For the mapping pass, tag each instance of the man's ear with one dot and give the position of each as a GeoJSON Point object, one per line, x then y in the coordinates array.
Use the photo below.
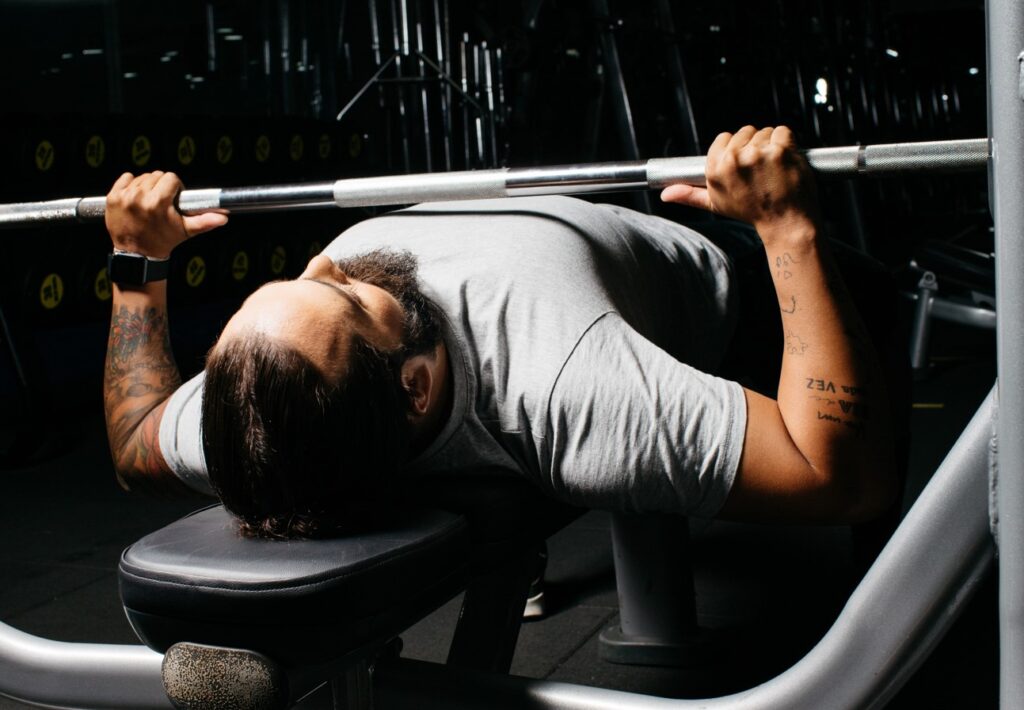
{"type": "Point", "coordinates": [418, 383]}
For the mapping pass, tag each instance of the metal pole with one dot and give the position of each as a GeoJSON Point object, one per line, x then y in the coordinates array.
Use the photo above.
{"type": "Point", "coordinates": [424, 98]}
{"type": "Point", "coordinates": [92, 675]}
{"type": "Point", "coordinates": [400, 45]}
{"type": "Point", "coordinates": [849, 161]}
{"type": "Point", "coordinates": [464, 88]}
{"type": "Point", "coordinates": [1005, 19]}
{"type": "Point", "coordinates": [623, 112]}
{"type": "Point", "coordinates": [441, 42]}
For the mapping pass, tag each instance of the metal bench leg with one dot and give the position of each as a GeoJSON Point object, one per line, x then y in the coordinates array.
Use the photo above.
{"type": "Point", "coordinates": [657, 603]}
{"type": "Point", "coordinates": [491, 614]}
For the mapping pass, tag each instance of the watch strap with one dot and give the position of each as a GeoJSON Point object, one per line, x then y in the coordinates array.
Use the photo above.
{"type": "Point", "coordinates": [131, 269]}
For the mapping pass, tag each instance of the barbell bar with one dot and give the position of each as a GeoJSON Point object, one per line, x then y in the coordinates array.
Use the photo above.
{"type": "Point", "coordinates": [846, 161]}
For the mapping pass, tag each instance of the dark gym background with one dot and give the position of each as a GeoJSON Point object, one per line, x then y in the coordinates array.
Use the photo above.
{"type": "Point", "coordinates": [239, 93]}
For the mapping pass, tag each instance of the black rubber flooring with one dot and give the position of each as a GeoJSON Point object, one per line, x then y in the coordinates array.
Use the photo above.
{"type": "Point", "coordinates": [765, 594]}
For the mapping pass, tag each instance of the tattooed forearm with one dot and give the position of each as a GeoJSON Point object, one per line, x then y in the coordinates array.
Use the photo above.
{"type": "Point", "coordinates": [140, 375]}
{"type": "Point", "coordinates": [139, 338]}
{"type": "Point", "coordinates": [792, 307]}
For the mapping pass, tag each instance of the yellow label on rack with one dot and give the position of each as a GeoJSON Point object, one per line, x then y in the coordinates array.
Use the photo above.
{"type": "Point", "coordinates": [142, 151]}
{"type": "Point", "coordinates": [240, 266]}
{"type": "Point", "coordinates": [95, 151]}
{"type": "Point", "coordinates": [355, 145]}
{"type": "Point", "coordinates": [44, 156]}
{"type": "Point", "coordinates": [296, 148]}
{"type": "Point", "coordinates": [225, 149]}
{"type": "Point", "coordinates": [262, 148]}
{"type": "Point", "coordinates": [101, 285]}
{"type": "Point", "coordinates": [278, 259]}
{"type": "Point", "coordinates": [186, 150]}
{"type": "Point", "coordinates": [51, 292]}
{"type": "Point", "coordinates": [323, 146]}
{"type": "Point", "coordinates": [195, 271]}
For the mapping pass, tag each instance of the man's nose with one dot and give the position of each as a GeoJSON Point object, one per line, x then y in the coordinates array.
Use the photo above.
{"type": "Point", "coordinates": [321, 266]}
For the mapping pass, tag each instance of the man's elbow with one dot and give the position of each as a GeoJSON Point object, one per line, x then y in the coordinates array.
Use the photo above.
{"type": "Point", "coordinates": [865, 494]}
{"type": "Point", "coordinates": [153, 481]}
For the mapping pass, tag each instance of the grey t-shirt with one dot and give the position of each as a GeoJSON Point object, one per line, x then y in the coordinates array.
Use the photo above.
{"type": "Point", "coordinates": [580, 338]}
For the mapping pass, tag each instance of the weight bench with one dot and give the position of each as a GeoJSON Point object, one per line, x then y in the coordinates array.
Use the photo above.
{"type": "Point", "coordinates": [255, 623]}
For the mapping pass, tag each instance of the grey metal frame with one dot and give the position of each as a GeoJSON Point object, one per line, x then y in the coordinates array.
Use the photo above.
{"type": "Point", "coordinates": [900, 610]}
{"type": "Point", "coordinates": [1005, 41]}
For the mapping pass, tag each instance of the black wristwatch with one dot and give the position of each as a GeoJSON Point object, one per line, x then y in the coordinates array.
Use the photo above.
{"type": "Point", "coordinates": [127, 268]}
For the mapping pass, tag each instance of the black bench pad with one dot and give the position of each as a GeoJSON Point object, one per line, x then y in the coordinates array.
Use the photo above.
{"type": "Point", "coordinates": [299, 602]}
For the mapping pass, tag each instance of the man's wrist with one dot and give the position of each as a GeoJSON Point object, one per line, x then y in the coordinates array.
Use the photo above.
{"type": "Point", "coordinates": [790, 231]}
{"type": "Point", "coordinates": [148, 252]}
{"type": "Point", "coordinates": [128, 268]}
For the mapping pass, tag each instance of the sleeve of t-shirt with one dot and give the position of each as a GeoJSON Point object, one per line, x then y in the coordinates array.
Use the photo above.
{"type": "Point", "coordinates": [181, 435]}
{"type": "Point", "coordinates": [632, 428]}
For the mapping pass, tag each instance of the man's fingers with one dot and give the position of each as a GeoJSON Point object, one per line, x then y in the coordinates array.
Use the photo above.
{"type": "Point", "coordinates": [199, 223]}
{"type": "Point", "coordinates": [145, 182]}
{"type": "Point", "coordinates": [763, 136]}
{"type": "Point", "coordinates": [742, 137]}
{"type": "Point", "coordinates": [122, 182]}
{"type": "Point", "coordinates": [168, 184]}
{"type": "Point", "coordinates": [783, 136]}
{"type": "Point", "coordinates": [721, 140]}
{"type": "Point", "coordinates": [688, 195]}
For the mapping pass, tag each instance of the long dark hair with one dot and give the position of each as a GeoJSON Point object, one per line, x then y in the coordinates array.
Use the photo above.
{"type": "Point", "coordinates": [292, 455]}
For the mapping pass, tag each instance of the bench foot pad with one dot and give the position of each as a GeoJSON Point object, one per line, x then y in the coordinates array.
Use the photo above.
{"type": "Point", "coordinates": [212, 678]}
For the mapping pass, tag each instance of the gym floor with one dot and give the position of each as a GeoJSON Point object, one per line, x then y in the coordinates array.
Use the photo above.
{"type": "Point", "coordinates": [765, 594]}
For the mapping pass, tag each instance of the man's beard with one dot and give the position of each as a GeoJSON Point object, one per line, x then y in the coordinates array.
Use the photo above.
{"type": "Point", "coordinates": [395, 272]}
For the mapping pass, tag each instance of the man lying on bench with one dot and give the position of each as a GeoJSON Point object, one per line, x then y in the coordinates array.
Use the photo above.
{"type": "Point", "coordinates": [572, 344]}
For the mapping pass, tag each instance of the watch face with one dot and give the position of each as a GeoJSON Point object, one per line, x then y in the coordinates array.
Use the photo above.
{"type": "Point", "coordinates": [135, 269]}
{"type": "Point", "coordinates": [127, 269]}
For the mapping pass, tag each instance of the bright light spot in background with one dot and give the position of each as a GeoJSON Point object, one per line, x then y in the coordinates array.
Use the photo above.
{"type": "Point", "coordinates": [130, 75]}
{"type": "Point", "coordinates": [892, 53]}
{"type": "Point", "coordinates": [821, 87]}
{"type": "Point", "coordinates": [66, 55]}
{"type": "Point", "coordinates": [945, 97]}
{"type": "Point", "coordinates": [973, 71]}
{"type": "Point", "coordinates": [92, 52]}
{"type": "Point", "coordinates": [232, 38]}
{"type": "Point", "coordinates": [723, 60]}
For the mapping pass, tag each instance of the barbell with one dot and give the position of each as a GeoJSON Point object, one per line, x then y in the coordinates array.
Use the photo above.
{"type": "Point", "coordinates": [846, 161]}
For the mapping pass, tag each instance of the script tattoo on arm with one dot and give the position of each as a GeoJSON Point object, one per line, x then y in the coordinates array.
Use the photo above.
{"type": "Point", "coordinates": [140, 375]}
{"type": "Point", "coordinates": [850, 413]}
{"type": "Point", "coordinates": [783, 266]}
